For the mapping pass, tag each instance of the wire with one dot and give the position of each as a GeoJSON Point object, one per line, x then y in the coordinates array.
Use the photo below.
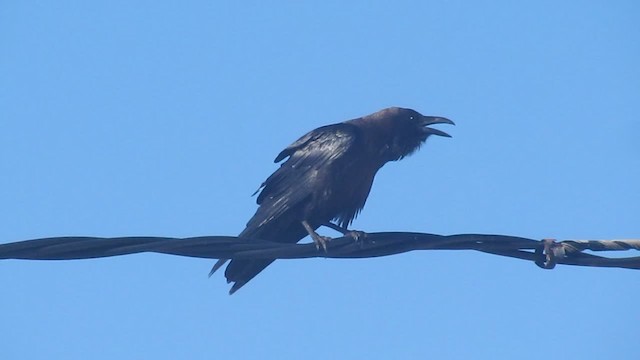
{"type": "Point", "coordinates": [545, 253]}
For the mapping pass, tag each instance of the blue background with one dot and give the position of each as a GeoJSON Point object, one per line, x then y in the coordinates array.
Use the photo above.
{"type": "Point", "coordinates": [160, 118]}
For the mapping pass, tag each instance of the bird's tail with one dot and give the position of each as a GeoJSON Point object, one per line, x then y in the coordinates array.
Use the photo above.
{"type": "Point", "coordinates": [247, 233]}
{"type": "Point", "coordinates": [242, 271]}
{"type": "Point", "coordinates": [217, 266]}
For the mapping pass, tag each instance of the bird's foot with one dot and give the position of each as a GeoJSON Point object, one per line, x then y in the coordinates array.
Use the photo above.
{"type": "Point", "coordinates": [360, 237]}
{"type": "Point", "coordinates": [357, 235]}
{"type": "Point", "coordinates": [321, 241]}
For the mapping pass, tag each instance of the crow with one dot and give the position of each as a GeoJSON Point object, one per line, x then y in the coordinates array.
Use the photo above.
{"type": "Point", "coordinates": [326, 180]}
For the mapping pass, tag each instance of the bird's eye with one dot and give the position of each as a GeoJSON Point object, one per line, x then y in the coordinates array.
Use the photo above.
{"type": "Point", "coordinates": [410, 117]}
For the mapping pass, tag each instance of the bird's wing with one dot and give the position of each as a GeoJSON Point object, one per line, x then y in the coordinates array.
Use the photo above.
{"type": "Point", "coordinates": [284, 192]}
{"type": "Point", "coordinates": [296, 179]}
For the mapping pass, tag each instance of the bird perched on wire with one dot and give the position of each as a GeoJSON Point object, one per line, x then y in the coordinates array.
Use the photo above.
{"type": "Point", "coordinates": [326, 179]}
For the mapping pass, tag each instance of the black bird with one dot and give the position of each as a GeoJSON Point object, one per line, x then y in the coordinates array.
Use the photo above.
{"type": "Point", "coordinates": [327, 177]}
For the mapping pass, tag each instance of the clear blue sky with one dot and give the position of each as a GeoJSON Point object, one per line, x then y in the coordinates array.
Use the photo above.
{"type": "Point", "coordinates": [161, 118]}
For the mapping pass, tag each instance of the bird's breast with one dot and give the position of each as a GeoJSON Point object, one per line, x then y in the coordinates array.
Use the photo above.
{"type": "Point", "coordinates": [344, 192]}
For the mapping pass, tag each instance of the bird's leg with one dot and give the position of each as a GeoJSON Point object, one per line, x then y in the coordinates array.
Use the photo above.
{"type": "Point", "coordinates": [357, 235]}
{"type": "Point", "coordinates": [318, 239]}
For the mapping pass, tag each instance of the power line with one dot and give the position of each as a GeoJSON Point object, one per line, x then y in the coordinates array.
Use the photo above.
{"type": "Point", "coordinates": [544, 253]}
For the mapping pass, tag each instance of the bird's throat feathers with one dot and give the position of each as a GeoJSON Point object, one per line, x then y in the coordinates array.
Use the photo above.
{"type": "Point", "coordinates": [389, 138]}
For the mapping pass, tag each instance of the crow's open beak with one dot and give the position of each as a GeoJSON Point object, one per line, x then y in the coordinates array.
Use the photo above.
{"type": "Point", "coordinates": [430, 120]}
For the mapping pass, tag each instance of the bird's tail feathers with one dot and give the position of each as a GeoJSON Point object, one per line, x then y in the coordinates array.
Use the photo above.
{"type": "Point", "coordinates": [236, 286]}
{"type": "Point", "coordinates": [217, 266]}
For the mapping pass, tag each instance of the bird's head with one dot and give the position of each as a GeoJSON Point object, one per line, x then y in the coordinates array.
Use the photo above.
{"type": "Point", "coordinates": [405, 130]}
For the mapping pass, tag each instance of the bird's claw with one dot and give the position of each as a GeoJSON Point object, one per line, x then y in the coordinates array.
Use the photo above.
{"type": "Point", "coordinates": [321, 241]}
{"type": "Point", "coordinates": [357, 235]}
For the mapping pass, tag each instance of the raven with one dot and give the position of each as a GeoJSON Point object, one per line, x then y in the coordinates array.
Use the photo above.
{"type": "Point", "coordinates": [327, 177]}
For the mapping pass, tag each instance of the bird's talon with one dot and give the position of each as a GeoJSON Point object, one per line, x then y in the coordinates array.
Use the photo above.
{"type": "Point", "coordinates": [357, 235]}
{"type": "Point", "coordinates": [321, 241]}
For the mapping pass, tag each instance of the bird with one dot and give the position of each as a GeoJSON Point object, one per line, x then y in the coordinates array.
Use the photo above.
{"type": "Point", "coordinates": [326, 179]}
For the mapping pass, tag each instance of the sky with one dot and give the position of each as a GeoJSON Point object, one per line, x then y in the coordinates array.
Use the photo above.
{"type": "Point", "coordinates": [156, 118]}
